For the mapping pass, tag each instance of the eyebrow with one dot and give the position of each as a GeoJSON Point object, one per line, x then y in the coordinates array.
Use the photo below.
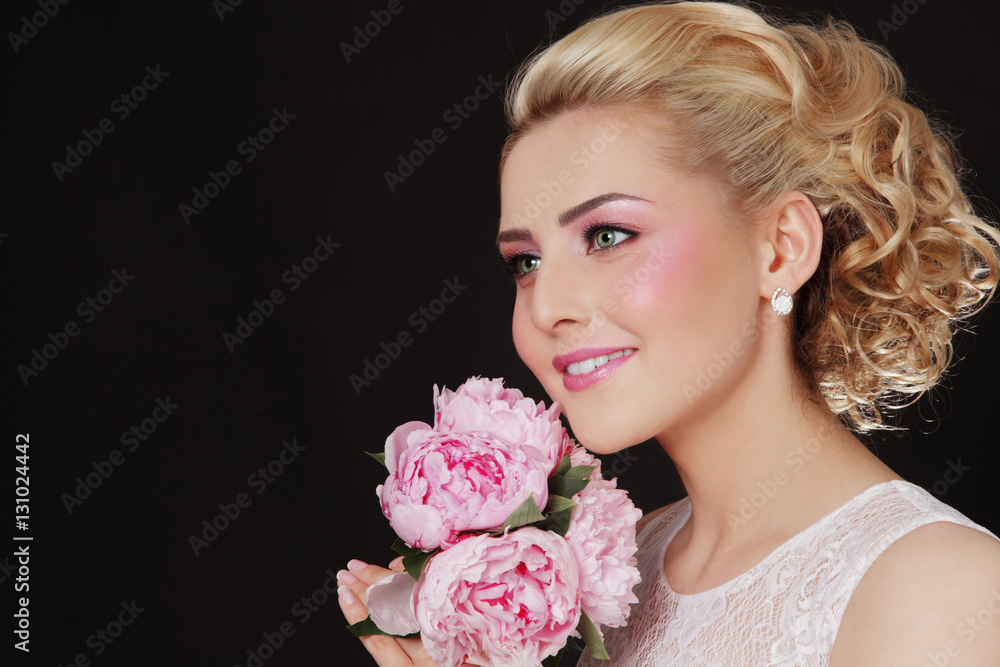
{"type": "Point", "coordinates": [569, 215]}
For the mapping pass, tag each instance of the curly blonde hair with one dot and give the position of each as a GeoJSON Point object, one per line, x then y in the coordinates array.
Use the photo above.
{"type": "Point", "coordinates": [768, 108]}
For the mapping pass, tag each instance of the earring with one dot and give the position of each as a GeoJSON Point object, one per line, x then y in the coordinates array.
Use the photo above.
{"type": "Point", "coordinates": [781, 301]}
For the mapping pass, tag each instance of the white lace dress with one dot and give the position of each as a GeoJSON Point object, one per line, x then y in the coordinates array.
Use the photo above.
{"type": "Point", "coordinates": [783, 611]}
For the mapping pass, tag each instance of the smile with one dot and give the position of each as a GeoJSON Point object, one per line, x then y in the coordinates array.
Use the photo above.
{"type": "Point", "coordinates": [583, 369]}
{"type": "Point", "coordinates": [588, 365]}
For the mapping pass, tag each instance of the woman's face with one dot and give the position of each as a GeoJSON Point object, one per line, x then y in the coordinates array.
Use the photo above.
{"type": "Point", "coordinates": [636, 300]}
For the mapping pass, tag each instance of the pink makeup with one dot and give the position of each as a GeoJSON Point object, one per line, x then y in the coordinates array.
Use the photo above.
{"type": "Point", "coordinates": [584, 368]}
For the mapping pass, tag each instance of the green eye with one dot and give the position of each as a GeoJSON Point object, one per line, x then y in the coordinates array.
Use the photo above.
{"type": "Point", "coordinates": [605, 238]}
{"type": "Point", "coordinates": [526, 264]}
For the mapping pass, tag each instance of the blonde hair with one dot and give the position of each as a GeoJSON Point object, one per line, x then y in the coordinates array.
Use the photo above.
{"type": "Point", "coordinates": [768, 109]}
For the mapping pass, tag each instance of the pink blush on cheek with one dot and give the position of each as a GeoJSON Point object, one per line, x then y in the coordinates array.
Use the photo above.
{"type": "Point", "coordinates": [667, 273]}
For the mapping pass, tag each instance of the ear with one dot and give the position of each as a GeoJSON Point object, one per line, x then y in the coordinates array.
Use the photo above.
{"type": "Point", "coordinates": [792, 240]}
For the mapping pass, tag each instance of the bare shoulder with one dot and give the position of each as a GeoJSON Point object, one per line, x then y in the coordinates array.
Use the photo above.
{"type": "Point", "coordinates": [649, 516]}
{"type": "Point", "coordinates": [932, 597]}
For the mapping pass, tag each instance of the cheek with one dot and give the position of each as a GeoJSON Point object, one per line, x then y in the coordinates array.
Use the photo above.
{"type": "Point", "coordinates": [694, 305]}
{"type": "Point", "coordinates": [521, 329]}
{"type": "Point", "coordinates": [666, 280]}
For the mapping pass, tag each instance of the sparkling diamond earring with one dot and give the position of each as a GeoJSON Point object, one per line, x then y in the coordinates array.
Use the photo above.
{"type": "Point", "coordinates": [781, 301]}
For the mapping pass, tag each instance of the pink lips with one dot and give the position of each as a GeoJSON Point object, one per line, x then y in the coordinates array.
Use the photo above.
{"type": "Point", "coordinates": [580, 382]}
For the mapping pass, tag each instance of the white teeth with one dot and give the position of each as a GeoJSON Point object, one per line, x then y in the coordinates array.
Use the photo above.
{"type": "Point", "coordinates": [588, 365]}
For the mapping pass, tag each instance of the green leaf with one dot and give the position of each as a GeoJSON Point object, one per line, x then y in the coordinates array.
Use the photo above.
{"type": "Point", "coordinates": [378, 456]}
{"type": "Point", "coordinates": [414, 565]}
{"type": "Point", "coordinates": [591, 635]}
{"type": "Point", "coordinates": [523, 515]}
{"type": "Point", "coordinates": [566, 487]}
{"type": "Point", "coordinates": [367, 627]}
{"type": "Point", "coordinates": [554, 660]}
{"type": "Point", "coordinates": [414, 560]}
{"type": "Point", "coordinates": [557, 522]}
{"type": "Point", "coordinates": [581, 472]}
{"type": "Point", "coordinates": [558, 504]}
{"type": "Point", "coordinates": [563, 466]}
{"type": "Point", "coordinates": [403, 549]}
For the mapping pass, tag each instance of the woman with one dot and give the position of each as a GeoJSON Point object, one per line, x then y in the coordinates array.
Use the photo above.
{"type": "Point", "coordinates": [738, 239]}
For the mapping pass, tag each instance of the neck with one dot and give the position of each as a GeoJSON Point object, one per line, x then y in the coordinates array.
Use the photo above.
{"type": "Point", "coordinates": [761, 463]}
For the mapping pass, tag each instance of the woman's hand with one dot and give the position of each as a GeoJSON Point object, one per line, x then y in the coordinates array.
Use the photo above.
{"type": "Point", "coordinates": [387, 651]}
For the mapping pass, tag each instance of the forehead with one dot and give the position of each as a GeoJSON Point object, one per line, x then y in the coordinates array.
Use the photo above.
{"type": "Point", "coordinates": [574, 157]}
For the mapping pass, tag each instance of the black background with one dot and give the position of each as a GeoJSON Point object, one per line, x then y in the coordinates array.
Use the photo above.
{"type": "Point", "coordinates": [322, 176]}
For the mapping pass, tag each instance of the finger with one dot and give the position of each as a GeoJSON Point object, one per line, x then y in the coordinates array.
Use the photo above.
{"type": "Point", "coordinates": [417, 653]}
{"type": "Point", "coordinates": [350, 602]}
{"type": "Point", "coordinates": [358, 577]}
{"type": "Point", "coordinates": [369, 574]}
{"type": "Point", "coordinates": [385, 650]}
{"type": "Point", "coordinates": [413, 647]}
{"type": "Point", "coordinates": [352, 581]}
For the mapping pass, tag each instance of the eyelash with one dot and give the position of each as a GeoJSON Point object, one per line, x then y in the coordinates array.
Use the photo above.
{"type": "Point", "coordinates": [508, 264]}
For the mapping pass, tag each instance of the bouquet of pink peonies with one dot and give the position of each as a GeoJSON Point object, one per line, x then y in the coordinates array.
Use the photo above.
{"type": "Point", "coordinates": [513, 542]}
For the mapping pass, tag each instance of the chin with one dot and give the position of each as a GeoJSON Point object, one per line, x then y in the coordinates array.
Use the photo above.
{"type": "Point", "coordinates": [603, 436]}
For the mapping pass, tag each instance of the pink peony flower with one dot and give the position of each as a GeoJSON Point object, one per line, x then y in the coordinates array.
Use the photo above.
{"type": "Point", "coordinates": [602, 537]}
{"type": "Point", "coordinates": [510, 600]}
{"type": "Point", "coordinates": [507, 601]}
{"type": "Point", "coordinates": [486, 405]}
{"type": "Point", "coordinates": [441, 484]}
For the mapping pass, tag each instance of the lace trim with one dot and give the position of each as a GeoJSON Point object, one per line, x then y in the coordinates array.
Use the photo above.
{"type": "Point", "coordinates": [684, 513]}
{"type": "Point", "coordinates": [787, 608]}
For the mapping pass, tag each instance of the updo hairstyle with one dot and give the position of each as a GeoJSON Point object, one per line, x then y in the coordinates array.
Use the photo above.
{"type": "Point", "coordinates": [767, 108]}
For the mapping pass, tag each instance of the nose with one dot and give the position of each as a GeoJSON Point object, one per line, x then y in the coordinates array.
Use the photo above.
{"type": "Point", "coordinates": [560, 297]}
